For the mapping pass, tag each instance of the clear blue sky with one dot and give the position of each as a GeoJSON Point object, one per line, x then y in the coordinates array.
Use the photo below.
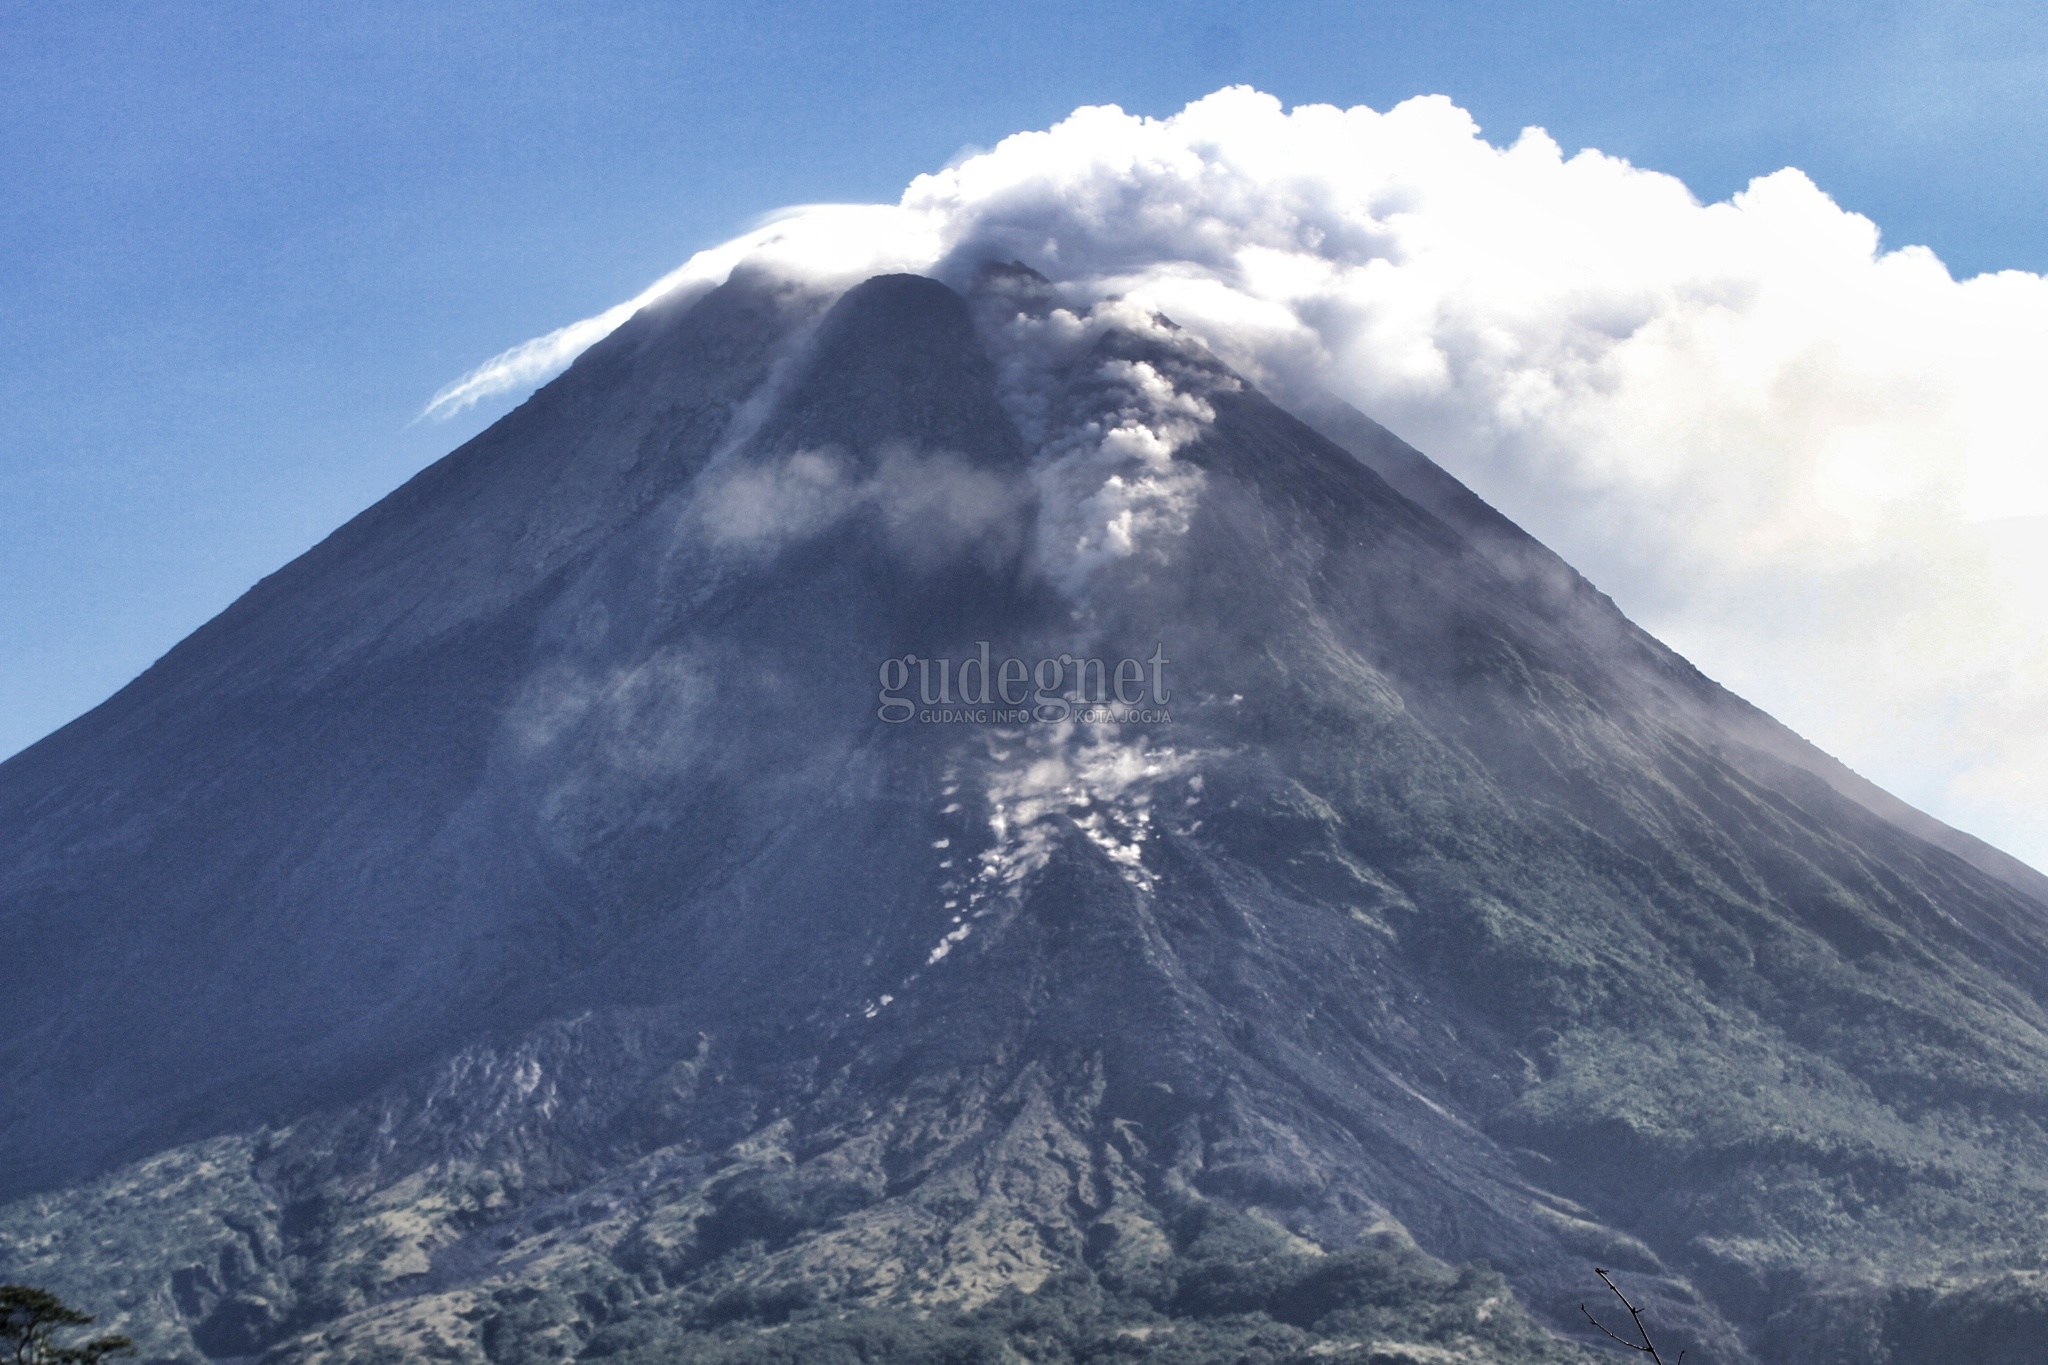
{"type": "Point", "coordinates": [241, 244]}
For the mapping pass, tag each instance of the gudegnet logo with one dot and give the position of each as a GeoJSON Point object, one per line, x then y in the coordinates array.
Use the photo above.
{"type": "Point", "coordinates": [980, 690]}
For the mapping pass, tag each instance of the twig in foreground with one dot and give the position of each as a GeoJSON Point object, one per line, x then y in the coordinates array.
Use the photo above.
{"type": "Point", "coordinates": [1635, 1314]}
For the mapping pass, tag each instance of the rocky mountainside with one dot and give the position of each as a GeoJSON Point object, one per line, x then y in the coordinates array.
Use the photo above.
{"type": "Point", "coordinates": [572, 912]}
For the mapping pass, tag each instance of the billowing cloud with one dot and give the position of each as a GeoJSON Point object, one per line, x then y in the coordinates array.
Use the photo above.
{"type": "Point", "coordinates": [1816, 466]}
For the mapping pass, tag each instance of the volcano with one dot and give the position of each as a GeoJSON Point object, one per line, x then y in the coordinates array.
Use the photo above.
{"type": "Point", "coordinates": [924, 819]}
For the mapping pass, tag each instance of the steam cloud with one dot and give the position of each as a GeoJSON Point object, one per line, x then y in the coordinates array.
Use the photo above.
{"type": "Point", "coordinates": [1818, 468]}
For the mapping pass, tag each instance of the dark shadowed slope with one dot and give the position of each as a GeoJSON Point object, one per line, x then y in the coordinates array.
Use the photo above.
{"type": "Point", "coordinates": [529, 858]}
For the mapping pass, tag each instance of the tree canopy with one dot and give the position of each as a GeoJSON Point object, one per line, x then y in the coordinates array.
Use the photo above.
{"type": "Point", "coordinates": [31, 1320]}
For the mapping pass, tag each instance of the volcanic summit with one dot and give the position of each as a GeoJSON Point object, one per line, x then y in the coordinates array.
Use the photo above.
{"type": "Point", "coordinates": [932, 818]}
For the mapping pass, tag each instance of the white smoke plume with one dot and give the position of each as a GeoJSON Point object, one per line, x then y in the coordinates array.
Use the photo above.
{"type": "Point", "coordinates": [1816, 466]}
{"type": "Point", "coordinates": [1108, 484]}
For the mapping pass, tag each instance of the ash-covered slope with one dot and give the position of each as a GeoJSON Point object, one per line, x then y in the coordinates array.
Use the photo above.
{"type": "Point", "coordinates": [512, 925]}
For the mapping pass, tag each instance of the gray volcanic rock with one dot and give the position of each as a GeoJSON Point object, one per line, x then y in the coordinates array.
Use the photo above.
{"type": "Point", "coordinates": [511, 927]}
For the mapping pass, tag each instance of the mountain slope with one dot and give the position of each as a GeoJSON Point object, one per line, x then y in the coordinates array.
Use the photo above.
{"type": "Point", "coordinates": [512, 924]}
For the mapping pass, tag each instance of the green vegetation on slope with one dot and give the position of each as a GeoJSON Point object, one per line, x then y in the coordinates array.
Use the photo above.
{"type": "Point", "coordinates": [341, 1283]}
{"type": "Point", "coordinates": [1236, 1289]}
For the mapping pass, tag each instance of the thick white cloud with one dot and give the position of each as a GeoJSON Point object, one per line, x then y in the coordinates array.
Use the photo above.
{"type": "Point", "coordinates": [1817, 467]}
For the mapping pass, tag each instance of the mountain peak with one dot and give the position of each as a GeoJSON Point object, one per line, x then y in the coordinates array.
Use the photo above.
{"type": "Point", "coordinates": [903, 798]}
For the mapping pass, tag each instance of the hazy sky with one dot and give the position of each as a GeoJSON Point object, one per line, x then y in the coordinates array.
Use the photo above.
{"type": "Point", "coordinates": [244, 244]}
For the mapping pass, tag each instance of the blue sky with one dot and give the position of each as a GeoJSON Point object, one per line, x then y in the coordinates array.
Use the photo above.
{"type": "Point", "coordinates": [244, 243]}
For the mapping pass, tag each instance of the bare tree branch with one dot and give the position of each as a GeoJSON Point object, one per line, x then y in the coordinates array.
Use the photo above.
{"type": "Point", "coordinates": [1647, 1346]}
